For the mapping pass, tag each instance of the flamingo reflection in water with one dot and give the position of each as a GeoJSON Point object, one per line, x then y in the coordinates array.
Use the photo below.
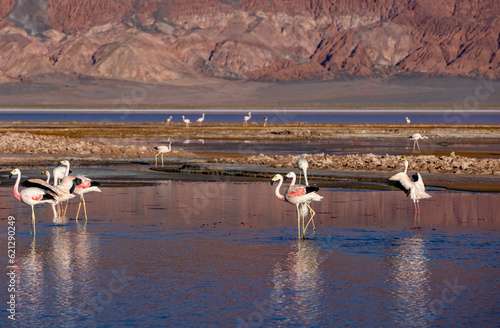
{"type": "Point", "coordinates": [297, 286]}
{"type": "Point", "coordinates": [414, 188]}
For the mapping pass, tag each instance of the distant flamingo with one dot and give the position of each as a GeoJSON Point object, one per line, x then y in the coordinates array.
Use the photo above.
{"type": "Point", "coordinates": [416, 137]}
{"type": "Point", "coordinates": [414, 189]}
{"type": "Point", "coordinates": [201, 119]}
{"type": "Point", "coordinates": [265, 120]}
{"type": "Point", "coordinates": [247, 118]}
{"type": "Point", "coordinates": [187, 121]}
{"type": "Point", "coordinates": [32, 196]}
{"type": "Point", "coordinates": [86, 186]}
{"type": "Point", "coordinates": [162, 150]}
{"type": "Point", "coordinates": [169, 120]}
{"type": "Point", "coordinates": [408, 121]}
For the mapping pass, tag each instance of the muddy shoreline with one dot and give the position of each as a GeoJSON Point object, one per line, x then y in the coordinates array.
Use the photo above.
{"type": "Point", "coordinates": [42, 145]}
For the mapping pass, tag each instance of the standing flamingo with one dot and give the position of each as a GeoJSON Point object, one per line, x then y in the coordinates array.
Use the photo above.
{"type": "Point", "coordinates": [303, 209]}
{"type": "Point", "coordinates": [86, 186]}
{"type": "Point", "coordinates": [416, 137]}
{"type": "Point", "coordinates": [201, 119]}
{"type": "Point", "coordinates": [247, 118]}
{"type": "Point", "coordinates": [61, 171]}
{"type": "Point", "coordinates": [303, 165]}
{"type": "Point", "coordinates": [162, 150]}
{"type": "Point", "coordinates": [187, 121]}
{"type": "Point", "coordinates": [32, 196]}
{"type": "Point", "coordinates": [265, 120]}
{"type": "Point", "coordinates": [414, 189]}
{"type": "Point", "coordinates": [169, 120]}
{"type": "Point", "coordinates": [408, 121]}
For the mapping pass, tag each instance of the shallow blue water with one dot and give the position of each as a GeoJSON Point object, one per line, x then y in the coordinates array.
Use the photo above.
{"type": "Point", "coordinates": [274, 117]}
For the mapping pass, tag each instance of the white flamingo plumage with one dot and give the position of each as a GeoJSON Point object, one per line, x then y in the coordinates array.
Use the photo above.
{"type": "Point", "coordinates": [408, 121]}
{"type": "Point", "coordinates": [201, 119]}
{"type": "Point", "coordinates": [162, 150]}
{"type": "Point", "coordinates": [303, 165]}
{"type": "Point", "coordinates": [169, 120]}
{"type": "Point", "coordinates": [61, 171]}
{"type": "Point", "coordinates": [32, 196]}
{"type": "Point", "coordinates": [186, 120]}
{"type": "Point", "coordinates": [247, 118]}
{"type": "Point", "coordinates": [415, 189]}
{"type": "Point", "coordinates": [86, 186]}
{"type": "Point", "coordinates": [416, 137]}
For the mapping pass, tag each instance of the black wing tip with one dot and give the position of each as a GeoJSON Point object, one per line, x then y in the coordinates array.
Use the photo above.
{"type": "Point", "coordinates": [312, 189]}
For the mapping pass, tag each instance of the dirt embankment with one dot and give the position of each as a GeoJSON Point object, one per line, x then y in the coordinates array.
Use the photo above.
{"type": "Point", "coordinates": [370, 162]}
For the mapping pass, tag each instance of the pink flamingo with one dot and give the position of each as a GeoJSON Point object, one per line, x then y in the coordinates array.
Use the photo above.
{"type": "Point", "coordinates": [298, 195]}
{"type": "Point", "coordinates": [408, 121]}
{"type": "Point", "coordinates": [247, 118]}
{"type": "Point", "coordinates": [416, 137]}
{"type": "Point", "coordinates": [187, 121]}
{"type": "Point", "coordinates": [414, 189]}
{"type": "Point", "coordinates": [162, 150]}
{"type": "Point", "coordinates": [61, 171]}
{"type": "Point", "coordinates": [33, 196]}
{"type": "Point", "coordinates": [86, 186]}
{"type": "Point", "coordinates": [201, 119]}
{"type": "Point", "coordinates": [169, 120]}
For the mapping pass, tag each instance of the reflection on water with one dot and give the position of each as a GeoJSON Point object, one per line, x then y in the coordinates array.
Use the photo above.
{"type": "Point", "coordinates": [297, 286]}
{"type": "Point", "coordinates": [191, 254]}
{"type": "Point", "coordinates": [410, 281]}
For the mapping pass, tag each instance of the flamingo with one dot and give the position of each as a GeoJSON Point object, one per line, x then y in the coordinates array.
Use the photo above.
{"type": "Point", "coordinates": [297, 194]}
{"type": "Point", "coordinates": [416, 137]}
{"type": "Point", "coordinates": [169, 120]}
{"type": "Point", "coordinates": [162, 150]}
{"type": "Point", "coordinates": [32, 196]}
{"type": "Point", "coordinates": [414, 189]}
{"type": "Point", "coordinates": [62, 192]}
{"type": "Point", "coordinates": [61, 171]}
{"type": "Point", "coordinates": [265, 120]}
{"type": "Point", "coordinates": [408, 121]}
{"type": "Point", "coordinates": [201, 119]}
{"type": "Point", "coordinates": [303, 165]}
{"type": "Point", "coordinates": [86, 186]}
{"type": "Point", "coordinates": [187, 121]}
{"type": "Point", "coordinates": [303, 209]}
{"type": "Point", "coordinates": [247, 118]}
{"type": "Point", "coordinates": [47, 174]}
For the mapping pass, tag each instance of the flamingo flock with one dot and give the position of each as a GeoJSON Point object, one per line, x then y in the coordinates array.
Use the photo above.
{"type": "Point", "coordinates": [65, 187]}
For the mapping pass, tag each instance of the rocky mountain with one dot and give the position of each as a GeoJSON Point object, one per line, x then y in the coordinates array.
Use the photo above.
{"type": "Point", "coordinates": [271, 40]}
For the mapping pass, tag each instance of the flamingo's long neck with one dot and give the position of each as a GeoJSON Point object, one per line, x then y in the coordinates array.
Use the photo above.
{"type": "Point", "coordinates": [406, 166]}
{"type": "Point", "coordinates": [16, 188]}
{"type": "Point", "coordinates": [277, 191]}
{"type": "Point", "coordinates": [305, 176]}
{"type": "Point", "coordinates": [294, 179]}
{"type": "Point", "coordinates": [47, 173]}
{"type": "Point", "coordinates": [67, 170]}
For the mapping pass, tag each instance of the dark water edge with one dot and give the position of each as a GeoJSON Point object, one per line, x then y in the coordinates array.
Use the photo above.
{"type": "Point", "coordinates": [226, 254]}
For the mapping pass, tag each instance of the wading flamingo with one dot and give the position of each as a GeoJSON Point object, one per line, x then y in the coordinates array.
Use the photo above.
{"type": "Point", "coordinates": [86, 186]}
{"type": "Point", "coordinates": [33, 196]}
{"type": "Point", "coordinates": [201, 119]}
{"type": "Point", "coordinates": [61, 171]}
{"type": "Point", "coordinates": [415, 189]}
{"type": "Point", "coordinates": [303, 209]}
{"type": "Point", "coordinates": [162, 150]}
{"type": "Point", "coordinates": [247, 118]}
{"type": "Point", "coordinates": [168, 120]}
{"type": "Point", "coordinates": [265, 120]}
{"type": "Point", "coordinates": [187, 121]}
{"type": "Point", "coordinates": [303, 165]}
{"type": "Point", "coordinates": [62, 192]}
{"type": "Point", "coordinates": [416, 137]}
{"type": "Point", "coordinates": [408, 121]}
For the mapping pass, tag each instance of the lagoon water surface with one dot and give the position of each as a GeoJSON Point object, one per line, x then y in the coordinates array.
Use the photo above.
{"type": "Point", "coordinates": [225, 254]}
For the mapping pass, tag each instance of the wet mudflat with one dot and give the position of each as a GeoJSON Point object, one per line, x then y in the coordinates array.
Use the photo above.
{"type": "Point", "coordinates": [226, 254]}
